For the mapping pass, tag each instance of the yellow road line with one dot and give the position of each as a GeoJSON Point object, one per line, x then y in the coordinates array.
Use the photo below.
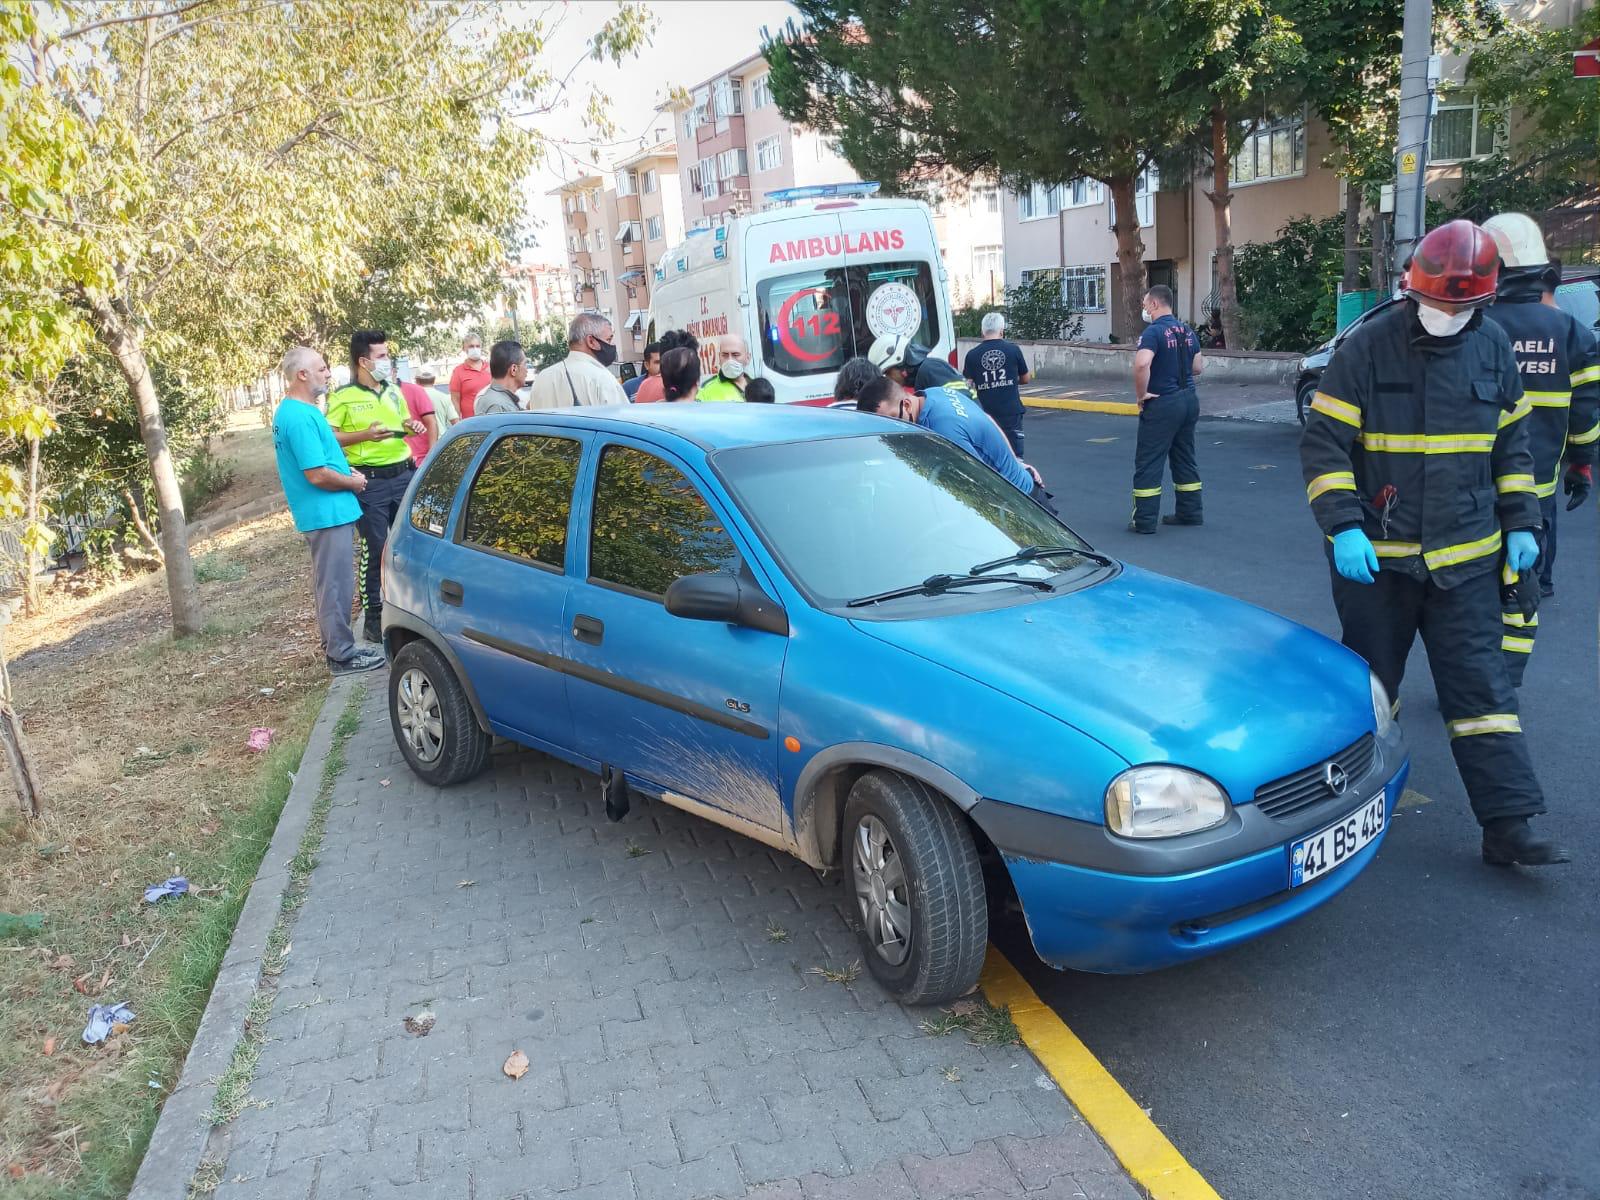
{"type": "Point", "coordinates": [1143, 1149]}
{"type": "Point", "coordinates": [1100, 406]}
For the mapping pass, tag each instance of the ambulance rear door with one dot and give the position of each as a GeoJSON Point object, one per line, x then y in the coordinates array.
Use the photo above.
{"type": "Point", "coordinates": [794, 269]}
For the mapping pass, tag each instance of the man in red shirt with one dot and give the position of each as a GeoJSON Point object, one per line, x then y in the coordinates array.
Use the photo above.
{"type": "Point", "coordinates": [419, 405]}
{"type": "Point", "coordinates": [470, 377]}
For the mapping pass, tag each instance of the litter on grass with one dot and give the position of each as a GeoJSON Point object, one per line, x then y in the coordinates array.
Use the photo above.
{"type": "Point", "coordinates": [176, 886]}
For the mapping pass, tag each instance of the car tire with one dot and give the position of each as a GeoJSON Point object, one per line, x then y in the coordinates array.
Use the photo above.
{"type": "Point", "coordinates": [432, 720]}
{"type": "Point", "coordinates": [1303, 395]}
{"type": "Point", "coordinates": [911, 865]}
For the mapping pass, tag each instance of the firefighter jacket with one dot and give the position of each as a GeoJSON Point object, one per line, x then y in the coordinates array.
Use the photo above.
{"type": "Point", "coordinates": [1423, 443]}
{"type": "Point", "coordinates": [1560, 378]}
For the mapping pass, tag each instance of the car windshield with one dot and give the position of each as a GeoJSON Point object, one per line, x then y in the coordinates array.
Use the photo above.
{"type": "Point", "coordinates": [854, 516]}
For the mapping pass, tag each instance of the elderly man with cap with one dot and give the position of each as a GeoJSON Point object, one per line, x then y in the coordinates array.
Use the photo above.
{"type": "Point", "coordinates": [1418, 471]}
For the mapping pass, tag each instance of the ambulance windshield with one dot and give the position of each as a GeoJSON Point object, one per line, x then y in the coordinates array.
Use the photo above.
{"type": "Point", "coordinates": [812, 321]}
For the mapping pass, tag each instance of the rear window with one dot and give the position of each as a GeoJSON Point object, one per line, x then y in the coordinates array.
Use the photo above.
{"type": "Point", "coordinates": [440, 478]}
{"type": "Point", "coordinates": [812, 321]}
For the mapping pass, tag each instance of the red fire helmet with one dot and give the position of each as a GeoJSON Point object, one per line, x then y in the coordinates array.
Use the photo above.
{"type": "Point", "coordinates": [1457, 263]}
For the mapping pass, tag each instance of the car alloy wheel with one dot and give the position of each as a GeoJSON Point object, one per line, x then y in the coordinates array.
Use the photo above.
{"type": "Point", "coordinates": [882, 891]}
{"type": "Point", "coordinates": [420, 718]}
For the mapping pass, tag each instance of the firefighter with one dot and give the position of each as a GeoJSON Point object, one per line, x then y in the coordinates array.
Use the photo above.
{"type": "Point", "coordinates": [1418, 470]}
{"type": "Point", "coordinates": [1561, 380]}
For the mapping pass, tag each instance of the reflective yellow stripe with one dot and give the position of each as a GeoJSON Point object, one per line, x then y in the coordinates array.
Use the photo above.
{"type": "Point", "coordinates": [1517, 621]}
{"type": "Point", "coordinates": [1548, 399]}
{"type": "Point", "coordinates": [1517, 645]}
{"type": "Point", "coordinates": [1186, 487]}
{"type": "Point", "coordinates": [1583, 439]}
{"type": "Point", "coordinates": [1397, 549]}
{"type": "Point", "coordinates": [1494, 723]}
{"type": "Point", "coordinates": [1333, 481]}
{"type": "Point", "coordinates": [1329, 406]}
{"type": "Point", "coordinates": [1394, 709]}
{"type": "Point", "coordinates": [1515, 483]}
{"type": "Point", "coordinates": [1449, 556]}
{"type": "Point", "coordinates": [1587, 375]}
{"type": "Point", "coordinates": [1522, 409]}
{"type": "Point", "coordinates": [1428, 443]}
{"type": "Point", "coordinates": [1545, 490]}
{"type": "Point", "coordinates": [1146, 493]}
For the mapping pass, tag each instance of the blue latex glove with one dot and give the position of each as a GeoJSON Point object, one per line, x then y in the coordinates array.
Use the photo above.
{"type": "Point", "coordinates": [1522, 550]}
{"type": "Point", "coordinates": [1354, 557]}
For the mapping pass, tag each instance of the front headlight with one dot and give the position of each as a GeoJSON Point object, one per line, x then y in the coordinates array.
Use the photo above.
{"type": "Point", "coordinates": [1382, 706]}
{"type": "Point", "coordinates": [1163, 801]}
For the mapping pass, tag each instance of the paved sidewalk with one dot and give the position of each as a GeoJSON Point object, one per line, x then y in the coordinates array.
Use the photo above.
{"type": "Point", "coordinates": [676, 1048]}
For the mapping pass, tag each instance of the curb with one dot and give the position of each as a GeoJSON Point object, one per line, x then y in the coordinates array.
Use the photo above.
{"type": "Point", "coordinates": [1099, 406]}
{"type": "Point", "coordinates": [178, 1142]}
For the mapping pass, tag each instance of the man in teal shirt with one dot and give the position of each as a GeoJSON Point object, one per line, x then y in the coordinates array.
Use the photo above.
{"type": "Point", "coordinates": [321, 487]}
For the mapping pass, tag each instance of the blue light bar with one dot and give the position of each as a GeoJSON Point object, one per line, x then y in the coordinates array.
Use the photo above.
{"type": "Point", "coordinates": [824, 191]}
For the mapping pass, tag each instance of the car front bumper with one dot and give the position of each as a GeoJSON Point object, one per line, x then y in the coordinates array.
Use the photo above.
{"type": "Point", "coordinates": [1090, 918]}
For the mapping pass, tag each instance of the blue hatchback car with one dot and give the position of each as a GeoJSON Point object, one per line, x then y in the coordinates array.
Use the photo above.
{"type": "Point", "coordinates": [844, 637]}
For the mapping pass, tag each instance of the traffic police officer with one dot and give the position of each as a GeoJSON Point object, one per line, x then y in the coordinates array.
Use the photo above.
{"type": "Point", "coordinates": [1164, 368]}
{"type": "Point", "coordinates": [1417, 467]}
{"type": "Point", "coordinates": [368, 416]}
{"type": "Point", "coordinates": [1561, 380]}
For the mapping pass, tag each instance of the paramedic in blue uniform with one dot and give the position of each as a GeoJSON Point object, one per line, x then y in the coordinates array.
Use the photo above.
{"type": "Point", "coordinates": [997, 369]}
{"type": "Point", "coordinates": [1164, 370]}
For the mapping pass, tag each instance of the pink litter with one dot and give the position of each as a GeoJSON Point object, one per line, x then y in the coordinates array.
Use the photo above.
{"type": "Point", "coordinates": [260, 738]}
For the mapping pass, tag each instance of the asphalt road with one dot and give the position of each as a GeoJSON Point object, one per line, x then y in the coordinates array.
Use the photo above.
{"type": "Point", "coordinates": [1434, 1031]}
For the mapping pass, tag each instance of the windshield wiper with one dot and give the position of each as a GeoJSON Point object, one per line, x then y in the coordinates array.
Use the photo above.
{"type": "Point", "coordinates": [1032, 553]}
{"type": "Point", "coordinates": [937, 585]}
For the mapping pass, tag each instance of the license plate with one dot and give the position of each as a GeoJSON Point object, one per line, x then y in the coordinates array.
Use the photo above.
{"type": "Point", "coordinates": [1313, 857]}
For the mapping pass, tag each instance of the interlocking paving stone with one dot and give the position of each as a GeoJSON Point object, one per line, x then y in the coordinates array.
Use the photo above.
{"type": "Point", "coordinates": [676, 1050]}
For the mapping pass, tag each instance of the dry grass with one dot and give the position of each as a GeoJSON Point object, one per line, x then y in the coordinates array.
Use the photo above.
{"type": "Point", "coordinates": [244, 447]}
{"type": "Point", "coordinates": [139, 742]}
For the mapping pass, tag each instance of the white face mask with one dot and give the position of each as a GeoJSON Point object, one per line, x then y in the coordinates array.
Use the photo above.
{"type": "Point", "coordinates": [732, 368]}
{"type": "Point", "coordinates": [380, 370]}
{"type": "Point", "coordinates": [475, 354]}
{"type": "Point", "coordinates": [1439, 323]}
{"type": "Point", "coordinates": [1144, 315]}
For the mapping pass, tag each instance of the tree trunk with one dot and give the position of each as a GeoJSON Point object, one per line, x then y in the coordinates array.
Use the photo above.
{"type": "Point", "coordinates": [30, 557]}
{"type": "Point", "coordinates": [136, 514]}
{"type": "Point", "coordinates": [1125, 323]}
{"type": "Point", "coordinates": [1222, 213]}
{"type": "Point", "coordinates": [118, 336]}
{"type": "Point", "coordinates": [18, 763]}
{"type": "Point", "coordinates": [1352, 236]}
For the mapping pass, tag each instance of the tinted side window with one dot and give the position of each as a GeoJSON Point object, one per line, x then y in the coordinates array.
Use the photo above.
{"type": "Point", "coordinates": [650, 525]}
{"type": "Point", "coordinates": [522, 497]}
{"type": "Point", "coordinates": [440, 479]}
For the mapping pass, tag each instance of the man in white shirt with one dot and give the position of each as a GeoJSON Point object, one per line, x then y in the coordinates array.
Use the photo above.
{"type": "Point", "coordinates": [583, 378]}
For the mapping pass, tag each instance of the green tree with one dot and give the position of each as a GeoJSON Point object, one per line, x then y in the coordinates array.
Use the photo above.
{"type": "Point", "coordinates": [1526, 70]}
{"type": "Point", "coordinates": [1031, 90]}
{"type": "Point", "coordinates": [247, 157]}
{"type": "Point", "coordinates": [1036, 308]}
{"type": "Point", "coordinates": [1286, 286]}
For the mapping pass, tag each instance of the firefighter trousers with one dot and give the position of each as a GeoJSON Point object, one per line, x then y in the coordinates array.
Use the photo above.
{"type": "Point", "coordinates": [1166, 435]}
{"type": "Point", "coordinates": [1460, 628]}
{"type": "Point", "coordinates": [1518, 629]}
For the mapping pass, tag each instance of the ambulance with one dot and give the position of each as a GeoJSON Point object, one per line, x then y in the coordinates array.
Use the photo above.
{"type": "Point", "coordinates": [809, 285]}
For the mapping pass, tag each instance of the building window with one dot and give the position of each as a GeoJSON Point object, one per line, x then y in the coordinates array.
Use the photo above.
{"type": "Point", "coordinates": [732, 163]}
{"type": "Point", "coordinates": [1462, 129]}
{"type": "Point", "coordinates": [1085, 288]}
{"type": "Point", "coordinates": [627, 183]}
{"type": "Point", "coordinates": [694, 179]}
{"type": "Point", "coordinates": [730, 99]}
{"type": "Point", "coordinates": [1025, 207]}
{"type": "Point", "coordinates": [986, 200]}
{"type": "Point", "coordinates": [760, 92]}
{"type": "Point", "coordinates": [652, 229]}
{"type": "Point", "coordinates": [708, 176]}
{"type": "Point", "coordinates": [1273, 148]}
{"type": "Point", "coordinates": [769, 153]}
{"type": "Point", "coordinates": [1144, 187]}
{"type": "Point", "coordinates": [647, 182]}
{"type": "Point", "coordinates": [599, 239]}
{"type": "Point", "coordinates": [605, 281]}
{"type": "Point", "coordinates": [829, 148]}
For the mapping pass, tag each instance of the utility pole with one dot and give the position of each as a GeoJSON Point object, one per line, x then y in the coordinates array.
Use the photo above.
{"type": "Point", "coordinates": [1411, 156]}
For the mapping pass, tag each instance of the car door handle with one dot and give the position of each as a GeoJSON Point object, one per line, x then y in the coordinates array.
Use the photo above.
{"type": "Point", "coordinates": [588, 629]}
{"type": "Point", "coordinates": [451, 592]}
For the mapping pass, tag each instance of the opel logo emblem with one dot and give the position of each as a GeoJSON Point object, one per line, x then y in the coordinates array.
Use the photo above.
{"type": "Point", "coordinates": [1333, 775]}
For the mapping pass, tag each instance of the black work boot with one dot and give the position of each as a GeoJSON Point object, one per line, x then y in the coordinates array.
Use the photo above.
{"type": "Point", "coordinates": [1509, 840]}
{"type": "Point", "coordinates": [1175, 519]}
{"type": "Point", "coordinates": [1134, 528]}
{"type": "Point", "coordinates": [372, 626]}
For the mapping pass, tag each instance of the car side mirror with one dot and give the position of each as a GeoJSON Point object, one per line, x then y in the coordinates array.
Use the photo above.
{"type": "Point", "coordinates": [733, 599]}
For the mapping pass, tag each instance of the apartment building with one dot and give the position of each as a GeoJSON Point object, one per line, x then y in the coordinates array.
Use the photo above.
{"type": "Point", "coordinates": [1278, 174]}
{"type": "Point", "coordinates": [734, 147]}
{"type": "Point", "coordinates": [615, 229]}
{"type": "Point", "coordinates": [532, 293]}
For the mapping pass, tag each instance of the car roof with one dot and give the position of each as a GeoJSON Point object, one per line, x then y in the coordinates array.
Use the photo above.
{"type": "Point", "coordinates": [714, 426]}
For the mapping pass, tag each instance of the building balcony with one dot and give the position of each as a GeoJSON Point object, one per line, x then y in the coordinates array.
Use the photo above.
{"type": "Point", "coordinates": [720, 135]}
{"type": "Point", "coordinates": [578, 222]}
{"type": "Point", "coordinates": [628, 208]}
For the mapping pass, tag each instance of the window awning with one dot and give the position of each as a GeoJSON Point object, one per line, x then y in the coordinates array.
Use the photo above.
{"type": "Point", "coordinates": [622, 231]}
{"type": "Point", "coordinates": [635, 320]}
{"type": "Point", "coordinates": [631, 275]}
